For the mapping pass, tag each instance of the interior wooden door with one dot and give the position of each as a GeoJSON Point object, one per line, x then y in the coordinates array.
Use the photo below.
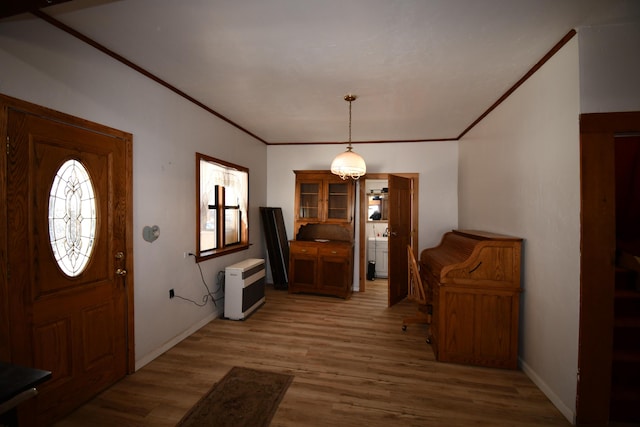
{"type": "Point", "coordinates": [399, 236]}
{"type": "Point", "coordinates": [67, 260]}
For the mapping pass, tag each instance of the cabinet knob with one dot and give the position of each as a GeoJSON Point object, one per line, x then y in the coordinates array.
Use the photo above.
{"type": "Point", "coordinates": [304, 250]}
{"type": "Point", "coordinates": [334, 252]}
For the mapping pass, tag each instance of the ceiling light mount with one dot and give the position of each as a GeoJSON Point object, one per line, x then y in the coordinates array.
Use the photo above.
{"type": "Point", "coordinates": [349, 164]}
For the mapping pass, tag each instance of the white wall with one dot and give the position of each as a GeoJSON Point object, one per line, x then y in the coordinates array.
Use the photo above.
{"type": "Point", "coordinates": [45, 66]}
{"type": "Point", "coordinates": [436, 162]}
{"type": "Point", "coordinates": [520, 175]}
{"type": "Point", "coordinates": [610, 67]}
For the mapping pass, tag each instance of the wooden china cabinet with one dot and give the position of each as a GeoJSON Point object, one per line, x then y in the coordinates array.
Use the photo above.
{"type": "Point", "coordinates": [321, 254]}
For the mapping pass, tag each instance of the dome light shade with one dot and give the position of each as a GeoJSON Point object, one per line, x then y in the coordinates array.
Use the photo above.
{"type": "Point", "coordinates": [349, 164]}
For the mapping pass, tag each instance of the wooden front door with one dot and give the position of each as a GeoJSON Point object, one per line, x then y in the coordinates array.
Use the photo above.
{"type": "Point", "coordinates": [399, 236]}
{"type": "Point", "coordinates": [68, 256]}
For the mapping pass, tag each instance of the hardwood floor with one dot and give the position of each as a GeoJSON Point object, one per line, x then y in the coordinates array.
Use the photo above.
{"type": "Point", "coordinates": [352, 363]}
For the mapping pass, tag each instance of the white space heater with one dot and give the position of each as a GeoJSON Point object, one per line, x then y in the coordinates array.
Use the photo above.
{"type": "Point", "coordinates": [244, 288]}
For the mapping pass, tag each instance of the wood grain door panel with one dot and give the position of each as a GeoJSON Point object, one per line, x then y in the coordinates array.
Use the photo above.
{"type": "Point", "coordinates": [303, 270]}
{"type": "Point", "coordinates": [334, 272]}
{"type": "Point", "coordinates": [493, 325]}
{"type": "Point", "coordinates": [457, 327]}
{"type": "Point", "coordinates": [399, 237]}
{"type": "Point", "coordinates": [76, 327]}
{"type": "Point", "coordinates": [47, 156]}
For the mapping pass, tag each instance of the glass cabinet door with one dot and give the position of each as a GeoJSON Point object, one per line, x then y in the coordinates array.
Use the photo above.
{"type": "Point", "coordinates": [309, 200]}
{"type": "Point", "coordinates": [338, 201]}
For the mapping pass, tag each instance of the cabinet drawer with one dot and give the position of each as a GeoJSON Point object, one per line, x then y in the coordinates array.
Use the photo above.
{"type": "Point", "coordinates": [303, 250]}
{"type": "Point", "coordinates": [340, 251]}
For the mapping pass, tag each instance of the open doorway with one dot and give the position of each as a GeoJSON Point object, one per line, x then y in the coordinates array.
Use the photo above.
{"type": "Point", "coordinates": [394, 206]}
{"type": "Point", "coordinates": [595, 396]}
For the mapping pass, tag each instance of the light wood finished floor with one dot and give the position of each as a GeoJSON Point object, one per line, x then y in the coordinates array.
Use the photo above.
{"type": "Point", "coordinates": [352, 363]}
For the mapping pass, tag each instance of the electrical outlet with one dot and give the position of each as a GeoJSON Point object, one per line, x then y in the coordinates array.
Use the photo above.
{"type": "Point", "coordinates": [171, 293]}
{"type": "Point", "coordinates": [185, 254]}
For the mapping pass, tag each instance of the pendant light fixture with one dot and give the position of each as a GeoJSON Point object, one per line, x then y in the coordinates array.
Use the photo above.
{"type": "Point", "coordinates": [349, 164]}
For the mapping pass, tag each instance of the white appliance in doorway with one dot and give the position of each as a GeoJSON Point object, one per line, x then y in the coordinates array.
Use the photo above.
{"type": "Point", "coordinates": [378, 251]}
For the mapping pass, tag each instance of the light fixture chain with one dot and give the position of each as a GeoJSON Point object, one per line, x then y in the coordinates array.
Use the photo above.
{"type": "Point", "coordinates": [349, 123]}
{"type": "Point", "coordinates": [349, 164]}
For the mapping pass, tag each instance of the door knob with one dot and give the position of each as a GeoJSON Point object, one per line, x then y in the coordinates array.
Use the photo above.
{"type": "Point", "coordinates": [121, 272]}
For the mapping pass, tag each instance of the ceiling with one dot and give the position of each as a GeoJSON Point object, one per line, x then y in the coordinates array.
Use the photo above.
{"type": "Point", "coordinates": [279, 69]}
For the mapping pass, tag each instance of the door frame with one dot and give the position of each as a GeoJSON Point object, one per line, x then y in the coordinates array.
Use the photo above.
{"type": "Point", "coordinates": [362, 219]}
{"type": "Point", "coordinates": [597, 260]}
{"type": "Point", "coordinates": [9, 103]}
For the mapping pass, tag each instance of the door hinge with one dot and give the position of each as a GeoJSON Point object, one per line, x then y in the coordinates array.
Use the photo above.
{"type": "Point", "coordinates": [8, 145]}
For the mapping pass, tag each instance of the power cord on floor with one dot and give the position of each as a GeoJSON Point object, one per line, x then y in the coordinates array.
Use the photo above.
{"type": "Point", "coordinates": [208, 296]}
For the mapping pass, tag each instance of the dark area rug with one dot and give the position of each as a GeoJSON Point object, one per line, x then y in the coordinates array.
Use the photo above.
{"type": "Point", "coordinates": [242, 398]}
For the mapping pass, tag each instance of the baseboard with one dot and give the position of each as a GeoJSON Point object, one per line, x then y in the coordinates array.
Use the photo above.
{"type": "Point", "coordinates": [568, 413]}
{"type": "Point", "coordinates": [171, 343]}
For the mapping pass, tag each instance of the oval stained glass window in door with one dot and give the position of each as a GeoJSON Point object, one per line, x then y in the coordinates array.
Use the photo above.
{"type": "Point", "coordinates": [72, 217]}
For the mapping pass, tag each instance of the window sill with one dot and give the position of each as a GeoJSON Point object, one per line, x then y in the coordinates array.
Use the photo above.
{"type": "Point", "coordinates": [214, 253]}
